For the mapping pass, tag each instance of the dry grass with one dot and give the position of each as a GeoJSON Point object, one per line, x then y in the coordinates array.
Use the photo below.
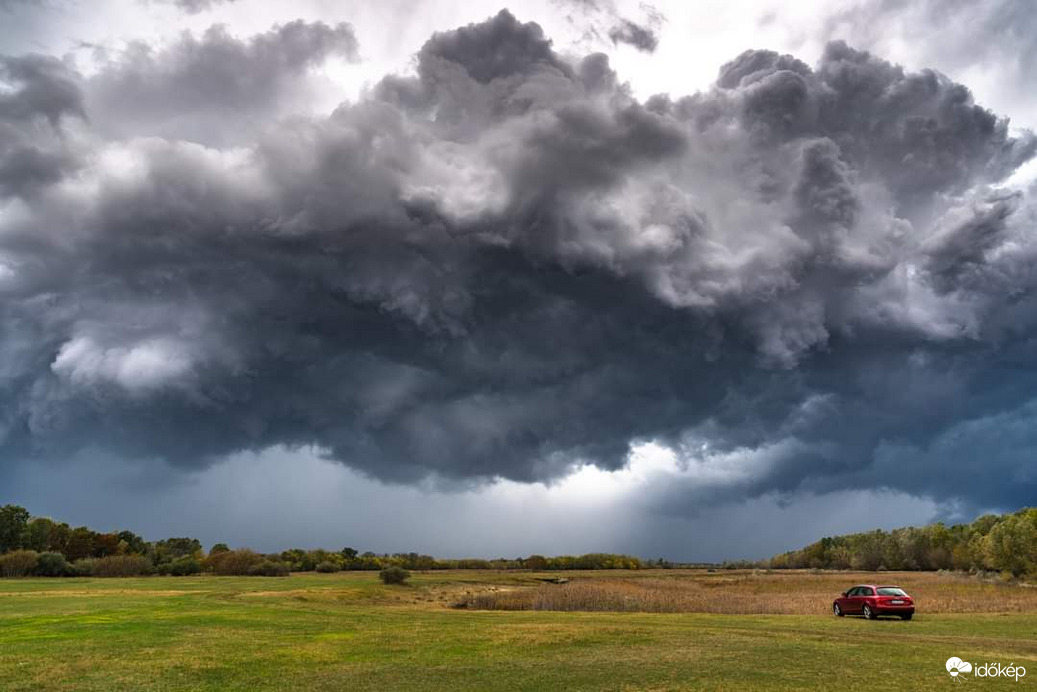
{"type": "Point", "coordinates": [793, 593]}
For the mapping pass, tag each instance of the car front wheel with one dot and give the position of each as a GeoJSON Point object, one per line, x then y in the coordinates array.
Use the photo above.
{"type": "Point", "coordinates": [837, 610]}
{"type": "Point", "coordinates": [868, 613]}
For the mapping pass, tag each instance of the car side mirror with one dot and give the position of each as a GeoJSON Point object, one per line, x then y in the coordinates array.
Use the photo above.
{"type": "Point", "coordinates": [844, 593]}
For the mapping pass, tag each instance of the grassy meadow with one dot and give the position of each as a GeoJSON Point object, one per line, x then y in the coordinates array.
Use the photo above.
{"type": "Point", "coordinates": [347, 631]}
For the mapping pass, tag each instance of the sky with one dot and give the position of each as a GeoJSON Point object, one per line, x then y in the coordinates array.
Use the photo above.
{"type": "Point", "coordinates": [700, 281]}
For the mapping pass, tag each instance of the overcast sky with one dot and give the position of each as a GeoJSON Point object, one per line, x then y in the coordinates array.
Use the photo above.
{"type": "Point", "coordinates": [695, 280]}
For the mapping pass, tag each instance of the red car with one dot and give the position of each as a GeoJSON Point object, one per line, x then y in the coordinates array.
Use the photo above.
{"type": "Point", "coordinates": [871, 601]}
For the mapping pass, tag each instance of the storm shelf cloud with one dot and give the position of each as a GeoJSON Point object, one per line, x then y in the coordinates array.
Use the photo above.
{"type": "Point", "coordinates": [807, 278]}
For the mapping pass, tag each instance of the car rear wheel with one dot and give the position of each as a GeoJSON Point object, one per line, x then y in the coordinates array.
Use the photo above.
{"type": "Point", "coordinates": [906, 616]}
{"type": "Point", "coordinates": [867, 612]}
{"type": "Point", "coordinates": [837, 610]}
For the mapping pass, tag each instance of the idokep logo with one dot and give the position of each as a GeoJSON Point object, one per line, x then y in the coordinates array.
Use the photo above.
{"type": "Point", "coordinates": [958, 668]}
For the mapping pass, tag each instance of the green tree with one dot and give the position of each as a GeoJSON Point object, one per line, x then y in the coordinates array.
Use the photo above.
{"type": "Point", "coordinates": [172, 548]}
{"type": "Point", "coordinates": [13, 522]}
{"type": "Point", "coordinates": [132, 543]}
{"type": "Point", "coordinates": [1011, 545]}
{"type": "Point", "coordinates": [38, 534]}
{"type": "Point", "coordinates": [80, 544]}
{"type": "Point", "coordinates": [106, 544]}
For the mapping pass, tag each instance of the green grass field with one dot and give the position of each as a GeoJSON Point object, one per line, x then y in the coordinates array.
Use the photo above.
{"type": "Point", "coordinates": [348, 632]}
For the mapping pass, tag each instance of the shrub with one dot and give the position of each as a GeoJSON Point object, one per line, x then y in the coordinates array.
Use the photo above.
{"type": "Point", "coordinates": [394, 575]}
{"type": "Point", "coordinates": [117, 566]}
{"type": "Point", "coordinates": [53, 565]}
{"type": "Point", "coordinates": [83, 567]}
{"type": "Point", "coordinates": [327, 567]}
{"type": "Point", "coordinates": [269, 568]}
{"type": "Point", "coordinates": [184, 566]}
{"type": "Point", "coordinates": [234, 562]}
{"type": "Point", "coordinates": [18, 563]}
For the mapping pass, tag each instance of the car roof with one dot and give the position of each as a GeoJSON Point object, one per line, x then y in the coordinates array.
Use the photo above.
{"type": "Point", "coordinates": [876, 586]}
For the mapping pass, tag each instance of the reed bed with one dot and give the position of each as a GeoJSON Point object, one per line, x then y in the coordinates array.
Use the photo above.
{"type": "Point", "coordinates": [793, 593]}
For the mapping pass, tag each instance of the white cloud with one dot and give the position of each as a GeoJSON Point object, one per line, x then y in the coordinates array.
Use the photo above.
{"type": "Point", "coordinates": [137, 367]}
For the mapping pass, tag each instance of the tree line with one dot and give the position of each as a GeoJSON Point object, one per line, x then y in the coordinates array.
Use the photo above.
{"type": "Point", "coordinates": [1001, 543]}
{"type": "Point", "coordinates": [40, 546]}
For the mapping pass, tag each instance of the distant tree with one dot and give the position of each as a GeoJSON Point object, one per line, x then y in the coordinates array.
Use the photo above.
{"type": "Point", "coordinates": [80, 544]}
{"type": "Point", "coordinates": [316, 557]}
{"type": "Point", "coordinates": [536, 562]}
{"type": "Point", "coordinates": [13, 522]}
{"type": "Point", "coordinates": [106, 544]}
{"type": "Point", "coordinates": [37, 534]}
{"type": "Point", "coordinates": [172, 548]}
{"type": "Point", "coordinates": [218, 548]}
{"type": "Point", "coordinates": [1006, 543]}
{"type": "Point", "coordinates": [327, 567]}
{"type": "Point", "coordinates": [132, 544]}
{"type": "Point", "coordinates": [60, 535]}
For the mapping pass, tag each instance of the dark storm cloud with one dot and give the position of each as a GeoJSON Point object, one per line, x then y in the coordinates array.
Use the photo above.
{"type": "Point", "coordinates": [634, 34]}
{"type": "Point", "coordinates": [499, 47]}
{"type": "Point", "coordinates": [505, 264]}
{"type": "Point", "coordinates": [211, 87]}
{"type": "Point", "coordinates": [600, 20]}
{"type": "Point", "coordinates": [40, 86]}
{"type": "Point", "coordinates": [41, 92]}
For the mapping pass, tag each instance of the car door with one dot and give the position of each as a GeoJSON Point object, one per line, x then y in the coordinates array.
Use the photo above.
{"type": "Point", "coordinates": [853, 600]}
{"type": "Point", "coordinates": [864, 596]}
{"type": "Point", "coordinates": [846, 602]}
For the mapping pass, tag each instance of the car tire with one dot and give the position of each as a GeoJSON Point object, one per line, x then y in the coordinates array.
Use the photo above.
{"type": "Point", "coordinates": [907, 616]}
{"type": "Point", "coordinates": [837, 610]}
{"type": "Point", "coordinates": [867, 612]}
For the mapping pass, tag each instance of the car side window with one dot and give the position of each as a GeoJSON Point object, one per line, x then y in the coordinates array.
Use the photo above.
{"type": "Point", "coordinates": [852, 592]}
{"type": "Point", "coordinates": [867, 591]}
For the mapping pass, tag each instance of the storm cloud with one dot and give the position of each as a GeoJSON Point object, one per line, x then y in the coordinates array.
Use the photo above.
{"type": "Point", "coordinates": [197, 6]}
{"type": "Point", "coordinates": [504, 265]}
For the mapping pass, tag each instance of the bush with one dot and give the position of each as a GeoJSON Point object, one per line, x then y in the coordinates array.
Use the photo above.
{"type": "Point", "coordinates": [394, 575]}
{"type": "Point", "coordinates": [116, 566]}
{"type": "Point", "coordinates": [184, 566]}
{"type": "Point", "coordinates": [83, 567]}
{"type": "Point", "coordinates": [269, 568]}
{"type": "Point", "coordinates": [234, 562]}
{"type": "Point", "coordinates": [18, 563]}
{"type": "Point", "coordinates": [53, 565]}
{"type": "Point", "coordinates": [327, 567]}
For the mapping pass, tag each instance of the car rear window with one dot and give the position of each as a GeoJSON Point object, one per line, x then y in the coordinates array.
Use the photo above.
{"type": "Point", "coordinates": [891, 591]}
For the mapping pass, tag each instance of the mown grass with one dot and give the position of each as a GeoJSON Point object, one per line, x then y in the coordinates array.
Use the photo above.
{"type": "Point", "coordinates": [349, 632]}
